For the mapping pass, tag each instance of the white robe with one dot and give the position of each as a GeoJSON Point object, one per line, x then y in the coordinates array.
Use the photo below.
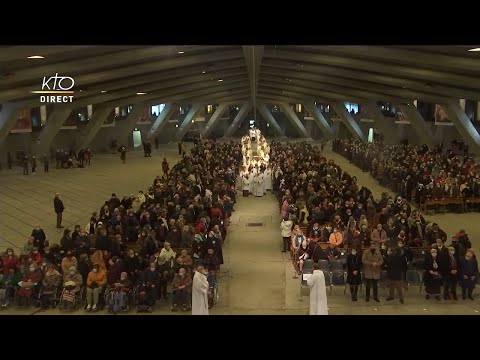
{"type": "Point", "coordinates": [199, 294]}
{"type": "Point", "coordinates": [318, 293]}
{"type": "Point", "coordinates": [245, 184]}
{"type": "Point", "coordinates": [259, 185]}
{"type": "Point", "coordinates": [268, 179]}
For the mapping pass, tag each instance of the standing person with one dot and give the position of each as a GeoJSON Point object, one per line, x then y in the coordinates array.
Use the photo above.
{"type": "Point", "coordinates": [156, 142]}
{"type": "Point", "coordinates": [450, 274]}
{"type": "Point", "coordinates": [46, 162]}
{"type": "Point", "coordinates": [354, 277]}
{"type": "Point", "coordinates": [433, 278]}
{"type": "Point", "coordinates": [372, 262]}
{"type": "Point", "coordinates": [468, 275]}
{"type": "Point", "coordinates": [395, 267]}
{"type": "Point", "coordinates": [179, 148]}
{"type": "Point", "coordinates": [34, 164]}
{"type": "Point", "coordinates": [200, 292]}
{"type": "Point", "coordinates": [286, 227]}
{"type": "Point", "coordinates": [58, 205]}
{"type": "Point", "coordinates": [123, 153]}
{"type": "Point", "coordinates": [318, 292]}
{"type": "Point", "coordinates": [165, 166]}
{"type": "Point", "coordinates": [184, 148]}
{"type": "Point", "coordinates": [25, 165]}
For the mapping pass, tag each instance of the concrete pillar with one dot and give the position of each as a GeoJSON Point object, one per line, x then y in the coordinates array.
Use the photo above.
{"type": "Point", "coordinates": [319, 119]}
{"type": "Point", "coordinates": [187, 122]}
{"type": "Point", "coordinates": [270, 119]}
{"type": "Point", "coordinates": [463, 125]}
{"type": "Point", "coordinates": [99, 116]}
{"type": "Point", "coordinates": [214, 118]}
{"type": "Point", "coordinates": [348, 120]}
{"type": "Point", "coordinates": [161, 121]}
{"type": "Point", "coordinates": [386, 125]}
{"type": "Point", "coordinates": [8, 117]}
{"type": "Point", "coordinates": [238, 119]}
{"type": "Point", "coordinates": [421, 129]}
{"type": "Point", "coordinates": [54, 123]}
{"type": "Point", "coordinates": [131, 119]}
{"type": "Point", "coordinates": [294, 120]}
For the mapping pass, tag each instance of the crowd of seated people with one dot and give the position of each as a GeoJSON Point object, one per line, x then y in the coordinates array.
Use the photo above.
{"type": "Point", "coordinates": [327, 216]}
{"type": "Point", "coordinates": [137, 248]}
{"type": "Point", "coordinates": [416, 172]}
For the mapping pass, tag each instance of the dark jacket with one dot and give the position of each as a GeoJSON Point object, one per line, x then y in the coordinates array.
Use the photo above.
{"type": "Point", "coordinates": [58, 205]}
{"type": "Point", "coordinates": [150, 277]}
{"type": "Point", "coordinates": [39, 239]}
{"type": "Point", "coordinates": [468, 268]}
{"type": "Point", "coordinates": [395, 266]}
{"type": "Point", "coordinates": [354, 263]}
{"type": "Point", "coordinates": [314, 251]}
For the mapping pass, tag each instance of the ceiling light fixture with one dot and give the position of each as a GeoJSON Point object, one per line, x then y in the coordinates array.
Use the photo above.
{"type": "Point", "coordinates": [181, 52]}
{"type": "Point", "coordinates": [220, 80]}
{"type": "Point", "coordinates": [103, 91]}
{"type": "Point", "coordinates": [141, 93]}
{"type": "Point", "coordinates": [475, 49]}
{"type": "Point", "coordinates": [36, 57]}
{"type": "Point", "coordinates": [203, 72]}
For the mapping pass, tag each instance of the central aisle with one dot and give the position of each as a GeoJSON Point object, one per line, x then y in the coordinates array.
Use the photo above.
{"type": "Point", "coordinates": [256, 264]}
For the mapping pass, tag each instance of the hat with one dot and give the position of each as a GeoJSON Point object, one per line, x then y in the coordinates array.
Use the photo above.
{"type": "Point", "coordinates": [70, 283]}
{"type": "Point", "coordinates": [72, 268]}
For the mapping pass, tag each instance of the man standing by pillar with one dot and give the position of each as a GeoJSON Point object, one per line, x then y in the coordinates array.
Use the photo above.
{"type": "Point", "coordinates": [46, 162]}
{"type": "Point", "coordinates": [58, 205]}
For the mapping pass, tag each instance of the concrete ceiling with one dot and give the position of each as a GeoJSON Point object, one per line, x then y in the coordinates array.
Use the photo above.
{"type": "Point", "coordinates": [249, 73]}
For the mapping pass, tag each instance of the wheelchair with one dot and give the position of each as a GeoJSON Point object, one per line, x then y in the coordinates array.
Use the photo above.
{"type": "Point", "coordinates": [28, 296]}
{"type": "Point", "coordinates": [110, 303]}
{"type": "Point", "coordinates": [55, 296]}
{"type": "Point", "coordinates": [70, 299]}
{"type": "Point", "coordinates": [212, 289]}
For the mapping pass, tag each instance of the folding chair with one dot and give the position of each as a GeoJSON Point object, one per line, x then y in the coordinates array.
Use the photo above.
{"type": "Point", "coordinates": [338, 279]}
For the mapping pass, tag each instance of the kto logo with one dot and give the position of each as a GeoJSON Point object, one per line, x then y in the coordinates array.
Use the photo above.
{"type": "Point", "coordinates": [59, 85]}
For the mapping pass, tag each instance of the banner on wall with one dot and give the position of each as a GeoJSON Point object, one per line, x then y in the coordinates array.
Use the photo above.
{"type": "Point", "coordinates": [23, 123]}
{"type": "Point", "coordinates": [145, 118]}
{"type": "Point", "coordinates": [441, 117]}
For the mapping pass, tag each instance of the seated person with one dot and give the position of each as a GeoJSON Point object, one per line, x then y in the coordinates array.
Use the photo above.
{"type": "Point", "coordinates": [28, 247]}
{"type": "Point", "coordinates": [336, 238]}
{"type": "Point", "coordinates": [51, 281]}
{"type": "Point", "coordinates": [29, 284]}
{"type": "Point", "coordinates": [36, 256]}
{"type": "Point", "coordinates": [300, 256]}
{"type": "Point", "coordinates": [96, 281]}
{"type": "Point", "coordinates": [184, 260]}
{"type": "Point", "coordinates": [332, 252]}
{"type": "Point", "coordinates": [118, 297]}
{"type": "Point", "coordinates": [148, 290]}
{"type": "Point", "coordinates": [168, 252]}
{"type": "Point", "coordinates": [166, 275]}
{"type": "Point", "coordinates": [182, 283]}
{"type": "Point", "coordinates": [68, 261]}
{"type": "Point", "coordinates": [315, 232]}
{"type": "Point", "coordinates": [210, 261]}
{"type": "Point", "coordinates": [8, 282]}
{"type": "Point", "coordinates": [72, 284]}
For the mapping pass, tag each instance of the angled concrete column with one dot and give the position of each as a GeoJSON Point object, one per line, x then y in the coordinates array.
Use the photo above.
{"type": "Point", "coordinates": [99, 116]}
{"type": "Point", "coordinates": [463, 125]}
{"type": "Point", "coordinates": [295, 121]}
{"type": "Point", "coordinates": [187, 122]}
{"type": "Point", "coordinates": [238, 119]}
{"type": "Point", "coordinates": [214, 118]}
{"type": "Point", "coordinates": [349, 120]}
{"type": "Point", "coordinates": [54, 123]}
{"type": "Point", "coordinates": [270, 119]}
{"type": "Point", "coordinates": [319, 119]}
{"type": "Point", "coordinates": [8, 117]}
{"type": "Point", "coordinates": [385, 125]}
{"type": "Point", "coordinates": [424, 135]}
{"type": "Point", "coordinates": [131, 119]}
{"type": "Point", "coordinates": [161, 121]}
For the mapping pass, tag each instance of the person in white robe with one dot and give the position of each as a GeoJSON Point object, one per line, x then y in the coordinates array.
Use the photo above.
{"type": "Point", "coordinates": [245, 185]}
{"type": "Point", "coordinates": [268, 179]}
{"type": "Point", "coordinates": [251, 179]}
{"type": "Point", "coordinates": [258, 185]}
{"type": "Point", "coordinates": [318, 292]}
{"type": "Point", "coordinates": [200, 292]}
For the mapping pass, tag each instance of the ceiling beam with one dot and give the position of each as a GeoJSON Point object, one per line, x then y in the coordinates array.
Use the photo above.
{"type": "Point", "coordinates": [253, 59]}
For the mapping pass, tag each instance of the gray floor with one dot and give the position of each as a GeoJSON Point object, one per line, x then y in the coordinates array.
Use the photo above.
{"type": "Point", "coordinates": [256, 278]}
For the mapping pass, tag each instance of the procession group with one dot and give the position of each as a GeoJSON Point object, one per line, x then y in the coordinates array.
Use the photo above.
{"type": "Point", "coordinates": [255, 174]}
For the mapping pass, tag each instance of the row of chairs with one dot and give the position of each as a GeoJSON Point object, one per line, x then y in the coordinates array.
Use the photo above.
{"type": "Point", "coordinates": [337, 277]}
